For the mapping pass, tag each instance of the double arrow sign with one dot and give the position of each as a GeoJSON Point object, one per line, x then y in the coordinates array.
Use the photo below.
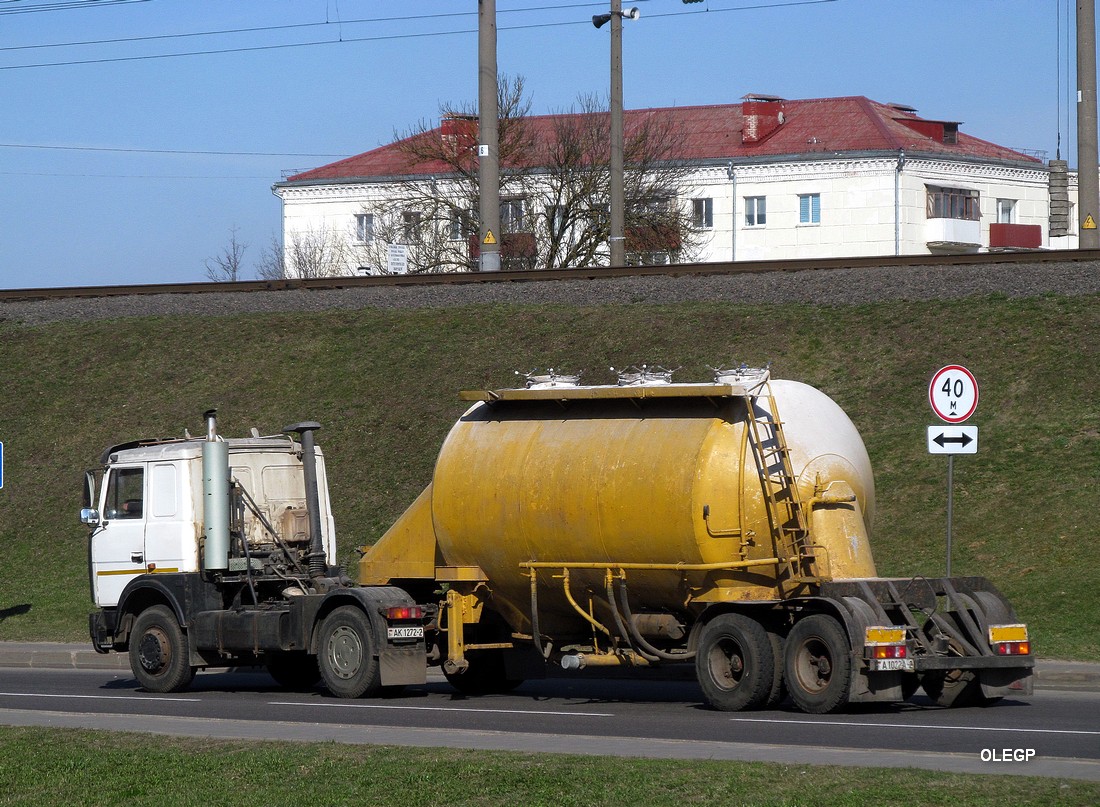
{"type": "Point", "coordinates": [952, 439]}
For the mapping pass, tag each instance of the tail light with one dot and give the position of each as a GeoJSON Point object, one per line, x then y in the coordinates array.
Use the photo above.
{"type": "Point", "coordinates": [886, 648]}
{"type": "Point", "coordinates": [400, 612]}
{"type": "Point", "coordinates": [1009, 640]}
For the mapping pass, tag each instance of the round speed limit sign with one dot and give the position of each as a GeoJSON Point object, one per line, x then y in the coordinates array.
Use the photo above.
{"type": "Point", "coordinates": [953, 393]}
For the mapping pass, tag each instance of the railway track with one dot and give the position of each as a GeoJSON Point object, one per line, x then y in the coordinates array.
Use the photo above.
{"type": "Point", "coordinates": [550, 275]}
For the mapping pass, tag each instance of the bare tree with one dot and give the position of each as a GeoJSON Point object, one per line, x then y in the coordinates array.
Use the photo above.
{"type": "Point", "coordinates": [227, 266]}
{"type": "Point", "coordinates": [554, 188]}
{"type": "Point", "coordinates": [316, 252]}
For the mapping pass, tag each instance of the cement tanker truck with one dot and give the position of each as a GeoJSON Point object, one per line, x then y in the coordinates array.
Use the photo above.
{"type": "Point", "coordinates": [639, 524]}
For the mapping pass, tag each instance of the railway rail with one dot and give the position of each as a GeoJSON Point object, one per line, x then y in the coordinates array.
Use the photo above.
{"type": "Point", "coordinates": [550, 275]}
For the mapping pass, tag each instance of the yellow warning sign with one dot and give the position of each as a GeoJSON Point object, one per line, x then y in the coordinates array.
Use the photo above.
{"type": "Point", "coordinates": [492, 239]}
{"type": "Point", "coordinates": [1089, 224]}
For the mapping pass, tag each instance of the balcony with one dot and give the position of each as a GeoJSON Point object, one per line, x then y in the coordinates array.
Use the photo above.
{"type": "Point", "coordinates": [953, 235]}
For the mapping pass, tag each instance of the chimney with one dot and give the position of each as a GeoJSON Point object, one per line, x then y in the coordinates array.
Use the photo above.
{"type": "Point", "coordinates": [761, 115]}
{"type": "Point", "coordinates": [458, 132]}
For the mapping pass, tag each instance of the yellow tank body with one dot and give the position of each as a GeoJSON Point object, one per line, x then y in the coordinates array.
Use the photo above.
{"type": "Point", "coordinates": [659, 485]}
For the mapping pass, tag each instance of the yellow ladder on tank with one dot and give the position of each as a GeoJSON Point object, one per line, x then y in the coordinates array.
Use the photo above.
{"type": "Point", "coordinates": [786, 514]}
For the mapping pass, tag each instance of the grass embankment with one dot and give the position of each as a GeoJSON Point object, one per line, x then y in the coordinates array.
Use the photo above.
{"type": "Point", "coordinates": [384, 384]}
{"type": "Point", "coordinates": [90, 768]}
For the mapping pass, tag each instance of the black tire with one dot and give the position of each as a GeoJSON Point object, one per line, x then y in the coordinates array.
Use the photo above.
{"type": "Point", "coordinates": [778, 692]}
{"type": "Point", "coordinates": [347, 654]}
{"type": "Point", "coordinates": [160, 656]}
{"type": "Point", "coordinates": [817, 665]}
{"type": "Point", "coordinates": [735, 663]}
{"type": "Point", "coordinates": [296, 671]}
{"type": "Point", "coordinates": [952, 688]}
{"type": "Point", "coordinates": [959, 688]}
{"type": "Point", "coordinates": [486, 675]}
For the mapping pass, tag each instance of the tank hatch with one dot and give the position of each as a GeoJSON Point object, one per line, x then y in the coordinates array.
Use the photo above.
{"type": "Point", "coordinates": [727, 384]}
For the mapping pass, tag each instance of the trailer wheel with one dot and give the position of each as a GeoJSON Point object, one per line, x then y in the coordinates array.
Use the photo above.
{"type": "Point", "coordinates": [959, 688]}
{"type": "Point", "coordinates": [296, 671]}
{"type": "Point", "coordinates": [818, 665]}
{"type": "Point", "coordinates": [160, 656]}
{"type": "Point", "coordinates": [735, 664]}
{"type": "Point", "coordinates": [347, 658]}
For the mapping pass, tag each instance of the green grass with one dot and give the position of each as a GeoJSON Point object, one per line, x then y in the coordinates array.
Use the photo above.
{"type": "Point", "coordinates": [94, 768]}
{"type": "Point", "coordinates": [384, 384]}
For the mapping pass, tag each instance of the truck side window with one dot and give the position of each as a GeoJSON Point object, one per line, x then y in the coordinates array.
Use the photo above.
{"type": "Point", "coordinates": [124, 493]}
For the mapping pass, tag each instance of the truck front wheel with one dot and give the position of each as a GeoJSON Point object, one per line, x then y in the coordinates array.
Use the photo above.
{"type": "Point", "coordinates": [736, 664]}
{"type": "Point", "coordinates": [347, 655]}
{"type": "Point", "coordinates": [817, 665]}
{"type": "Point", "coordinates": [159, 652]}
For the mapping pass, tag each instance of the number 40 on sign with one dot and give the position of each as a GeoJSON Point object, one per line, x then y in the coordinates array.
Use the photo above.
{"type": "Point", "coordinates": [953, 393]}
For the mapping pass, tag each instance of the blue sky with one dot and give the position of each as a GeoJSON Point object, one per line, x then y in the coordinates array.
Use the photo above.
{"type": "Point", "coordinates": [100, 182]}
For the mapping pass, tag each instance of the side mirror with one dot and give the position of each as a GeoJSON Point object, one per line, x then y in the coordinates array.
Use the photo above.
{"type": "Point", "coordinates": [88, 514]}
{"type": "Point", "coordinates": [89, 489]}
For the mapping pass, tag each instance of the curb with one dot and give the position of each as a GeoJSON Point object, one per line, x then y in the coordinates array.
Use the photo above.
{"type": "Point", "coordinates": [1050, 674]}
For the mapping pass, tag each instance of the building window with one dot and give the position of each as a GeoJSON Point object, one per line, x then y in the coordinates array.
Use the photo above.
{"type": "Point", "coordinates": [410, 226]}
{"type": "Point", "coordinates": [364, 228]}
{"type": "Point", "coordinates": [809, 208]}
{"type": "Point", "coordinates": [511, 216]}
{"type": "Point", "coordinates": [953, 203]}
{"type": "Point", "coordinates": [702, 213]}
{"type": "Point", "coordinates": [1006, 211]}
{"type": "Point", "coordinates": [460, 225]}
{"type": "Point", "coordinates": [756, 211]}
{"type": "Point", "coordinates": [556, 220]}
{"type": "Point", "coordinates": [600, 215]}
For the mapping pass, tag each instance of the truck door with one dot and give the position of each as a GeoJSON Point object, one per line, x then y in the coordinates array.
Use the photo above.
{"type": "Point", "coordinates": [168, 522]}
{"type": "Point", "coordinates": [118, 547]}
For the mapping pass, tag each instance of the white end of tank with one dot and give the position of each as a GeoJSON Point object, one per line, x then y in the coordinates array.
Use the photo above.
{"type": "Point", "coordinates": [824, 443]}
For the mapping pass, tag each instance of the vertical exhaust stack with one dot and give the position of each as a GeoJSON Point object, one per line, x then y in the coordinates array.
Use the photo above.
{"type": "Point", "coordinates": [318, 563]}
{"type": "Point", "coordinates": [215, 494]}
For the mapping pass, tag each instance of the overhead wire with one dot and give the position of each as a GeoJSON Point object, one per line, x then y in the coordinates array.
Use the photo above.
{"type": "Point", "coordinates": [378, 37]}
{"type": "Point", "coordinates": [63, 5]}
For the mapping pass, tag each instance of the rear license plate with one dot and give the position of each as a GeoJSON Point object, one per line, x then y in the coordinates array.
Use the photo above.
{"type": "Point", "coordinates": [410, 632]}
{"type": "Point", "coordinates": [902, 664]}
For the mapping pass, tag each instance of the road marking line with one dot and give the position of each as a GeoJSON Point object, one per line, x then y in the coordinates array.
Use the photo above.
{"type": "Point", "coordinates": [100, 697]}
{"type": "Point", "coordinates": [909, 726]}
{"type": "Point", "coordinates": [443, 709]}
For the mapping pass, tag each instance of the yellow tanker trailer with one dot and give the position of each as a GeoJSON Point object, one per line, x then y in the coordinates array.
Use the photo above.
{"type": "Point", "coordinates": [652, 523]}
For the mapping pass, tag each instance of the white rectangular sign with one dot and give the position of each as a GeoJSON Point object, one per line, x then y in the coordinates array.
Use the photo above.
{"type": "Point", "coordinates": [397, 259]}
{"type": "Point", "coordinates": [952, 439]}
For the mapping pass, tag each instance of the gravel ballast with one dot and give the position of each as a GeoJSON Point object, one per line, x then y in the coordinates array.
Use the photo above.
{"type": "Point", "coordinates": [817, 287]}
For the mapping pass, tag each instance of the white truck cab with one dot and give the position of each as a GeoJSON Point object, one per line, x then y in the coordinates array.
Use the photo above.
{"type": "Point", "coordinates": [148, 515]}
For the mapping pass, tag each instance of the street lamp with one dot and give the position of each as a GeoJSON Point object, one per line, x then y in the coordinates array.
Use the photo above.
{"type": "Point", "coordinates": [618, 217]}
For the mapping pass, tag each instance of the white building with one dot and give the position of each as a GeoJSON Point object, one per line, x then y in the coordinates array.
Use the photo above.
{"type": "Point", "coordinates": [766, 179]}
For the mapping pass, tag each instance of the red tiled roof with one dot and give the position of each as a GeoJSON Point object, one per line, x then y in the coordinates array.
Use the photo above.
{"type": "Point", "coordinates": [710, 133]}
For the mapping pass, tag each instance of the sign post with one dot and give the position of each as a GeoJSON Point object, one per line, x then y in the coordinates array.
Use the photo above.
{"type": "Point", "coordinates": [953, 394]}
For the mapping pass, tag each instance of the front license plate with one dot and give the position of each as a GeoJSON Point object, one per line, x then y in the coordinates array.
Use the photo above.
{"type": "Point", "coordinates": [411, 632]}
{"type": "Point", "coordinates": [903, 664]}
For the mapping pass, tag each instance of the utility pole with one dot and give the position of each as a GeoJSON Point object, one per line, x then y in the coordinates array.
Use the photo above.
{"type": "Point", "coordinates": [488, 151]}
{"type": "Point", "coordinates": [1088, 171]}
{"type": "Point", "coordinates": [618, 202]}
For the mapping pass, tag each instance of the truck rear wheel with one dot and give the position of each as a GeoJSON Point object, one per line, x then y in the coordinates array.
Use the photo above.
{"type": "Point", "coordinates": [817, 665]}
{"type": "Point", "coordinates": [160, 656]}
{"type": "Point", "coordinates": [347, 657]}
{"type": "Point", "coordinates": [736, 665]}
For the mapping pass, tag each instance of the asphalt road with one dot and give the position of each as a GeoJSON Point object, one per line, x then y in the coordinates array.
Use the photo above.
{"type": "Point", "coordinates": [1051, 733]}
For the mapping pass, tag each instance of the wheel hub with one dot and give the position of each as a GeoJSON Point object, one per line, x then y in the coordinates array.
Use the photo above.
{"type": "Point", "coordinates": [154, 651]}
{"type": "Point", "coordinates": [345, 652]}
